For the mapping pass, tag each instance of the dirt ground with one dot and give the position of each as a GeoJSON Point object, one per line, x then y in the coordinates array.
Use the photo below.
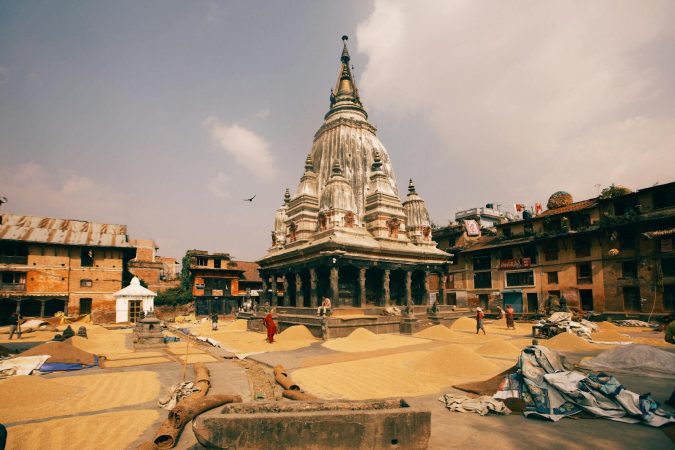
{"type": "Point", "coordinates": [85, 410]}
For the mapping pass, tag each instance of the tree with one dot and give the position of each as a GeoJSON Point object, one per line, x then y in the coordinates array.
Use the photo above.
{"type": "Point", "coordinates": [614, 190]}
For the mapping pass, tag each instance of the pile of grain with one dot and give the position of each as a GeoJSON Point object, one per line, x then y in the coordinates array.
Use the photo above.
{"type": "Point", "coordinates": [102, 342]}
{"type": "Point", "coordinates": [500, 349]}
{"type": "Point", "coordinates": [437, 332]}
{"type": "Point", "coordinates": [456, 361]}
{"type": "Point", "coordinates": [24, 389]}
{"type": "Point", "coordinates": [237, 325]}
{"type": "Point", "coordinates": [610, 336]}
{"type": "Point", "coordinates": [464, 324]}
{"type": "Point", "coordinates": [568, 342]}
{"type": "Point", "coordinates": [62, 352]}
{"type": "Point", "coordinates": [296, 333]}
{"type": "Point", "coordinates": [362, 335]}
{"type": "Point", "coordinates": [607, 326]}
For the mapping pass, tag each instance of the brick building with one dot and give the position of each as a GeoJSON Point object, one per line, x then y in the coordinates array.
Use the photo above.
{"type": "Point", "coordinates": [215, 281]}
{"type": "Point", "coordinates": [158, 272]}
{"type": "Point", "coordinates": [611, 255]}
{"type": "Point", "coordinates": [49, 265]}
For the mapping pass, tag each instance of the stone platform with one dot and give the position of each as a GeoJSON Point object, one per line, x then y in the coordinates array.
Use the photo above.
{"type": "Point", "coordinates": [343, 321]}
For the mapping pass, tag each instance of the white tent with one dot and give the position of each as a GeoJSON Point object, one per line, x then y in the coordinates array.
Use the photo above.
{"type": "Point", "coordinates": [134, 293]}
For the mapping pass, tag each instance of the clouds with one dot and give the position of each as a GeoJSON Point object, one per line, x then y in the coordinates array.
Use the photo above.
{"type": "Point", "coordinates": [553, 94]}
{"type": "Point", "coordinates": [248, 149]}
{"type": "Point", "coordinates": [218, 185]}
{"type": "Point", "coordinates": [32, 189]}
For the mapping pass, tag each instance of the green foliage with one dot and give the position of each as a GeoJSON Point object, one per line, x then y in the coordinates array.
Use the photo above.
{"type": "Point", "coordinates": [173, 296]}
{"type": "Point", "coordinates": [185, 274]}
{"type": "Point", "coordinates": [614, 190]}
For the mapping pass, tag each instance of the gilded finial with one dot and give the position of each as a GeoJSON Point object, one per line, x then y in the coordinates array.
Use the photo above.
{"type": "Point", "coordinates": [309, 164]}
{"type": "Point", "coordinates": [411, 187]}
{"type": "Point", "coordinates": [345, 53]}
{"type": "Point", "coordinates": [377, 161]}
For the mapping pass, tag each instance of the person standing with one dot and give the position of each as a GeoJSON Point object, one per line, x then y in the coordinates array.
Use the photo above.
{"type": "Point", "coordinates": [510, 318]}
{"type": "Point", "coordinates": [479, 320]}
{"type": "Point", "coordinates": [214, 321]}
{"type": "Point", "coordinates": [15, 325]}
{"type": "Point", "coordinates": [271, 327]}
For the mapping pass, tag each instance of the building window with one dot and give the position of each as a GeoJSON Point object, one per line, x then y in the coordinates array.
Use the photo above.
{"type": "Point", "coordinates": [506, 253]}
{"type": "Point", "coordinates": [554, 294]}
{"type": "Point", "coordinates": [216, 264]}
{"type": "Point", "coordinates": [202, 261]}
{"type": "Point", "coordinates": [529, 228]}
{"type": "Point", "coordinates": [482, 280]}
{"type": "Point", "coordinates": [627, 240]}
{"type": "Point", "coordinates": [668, 267]}
{"type": "Point", "coordinates": [85, 306]}
{"type": "Point", "coordinates": [552, 225]}
{"type": "Point", "coordinates": [582, 247]}
{"type": "Point", "coordinates": [622, 207]}
{"type": "Point", "coordinates": [525, 278]}
{"type": "Point", "coordinates": [629, 269]}
{"type": "Point", "coordinates": [584, 273]}
{"type": "Point", "coordinates": [12, 281]}
{"type": "Point", "coordinates": [86, 283]}
{"type": "Point", "coordinates": [631, 298]}
{"type": "Point", "coordinates": [507, 232]}
{"type": "Point", "coordinates": [664, 199]}
{"type": "Point", "coordinates": [551, 250]}
{"type": "Point", "coordinates": [450, 281]}
{"type": "Point", "coordinates": [452, 298]}
{"type": "Point", "coordinates": [481, 262]}
{"type": "Point", "coordinates": [586, 299]}
{"type": "Point", "coordinates": [87, 257]}
{"type": "Point", "coordinates": [552, 277]}
{"type": "Point", "coordinates": [580, 221]}
{"type": "Point", "coordinates": [530, 251]}
{"type": "Point", "coordinates": [13, 253]}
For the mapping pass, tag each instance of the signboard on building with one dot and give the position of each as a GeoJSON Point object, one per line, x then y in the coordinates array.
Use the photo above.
{"type": "Point", "coordinates": [472, 228]}
{"type": "Point", "coordinates": [217, 292]}
{"type": "Point", "coordinates": [517, 263]}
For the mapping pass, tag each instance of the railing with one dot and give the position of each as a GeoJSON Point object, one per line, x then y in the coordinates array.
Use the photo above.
{"type": "Point", "coordinates": [12, 286]}
{"type": "Point", "coordinates": [5, 259]}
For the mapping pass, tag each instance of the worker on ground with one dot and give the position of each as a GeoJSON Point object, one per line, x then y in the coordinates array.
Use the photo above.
{"type": "Point", "coordinates": [271, 327]}
{"type": "Point", "coordinates": [214, 321]}
{"type": "Point", "coordinates": [479, 320]}
{"type": "Point", "coordinates": [670, 332]}
{"type": "Point", "coordinates": [324, 308]}
{"type": "Point", "coordinates": [563, 303]}
{"type": "Point", "coordinates": [510, 318]}
{"type": "Point", "coordinates": [14, 325]}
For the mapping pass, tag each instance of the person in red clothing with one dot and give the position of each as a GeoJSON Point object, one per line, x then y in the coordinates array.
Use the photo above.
{"type": "Point", "coordinates": [510, 318]}
{"type": "Point", "coordinates": [271, 327]}
{"type": "Point", "coordinates": [479, 320]}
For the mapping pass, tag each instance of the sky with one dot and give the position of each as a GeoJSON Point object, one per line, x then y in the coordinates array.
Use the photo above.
{"type": "Point", "coordinates": [165, 115]}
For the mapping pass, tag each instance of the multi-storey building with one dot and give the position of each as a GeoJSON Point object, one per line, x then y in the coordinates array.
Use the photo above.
{"type": "Point", "coordinates": [610, 255]}
{"type": "Point", "coordinates": [49, 265]}
{"type": "Point", "coordinates": [215, 281]}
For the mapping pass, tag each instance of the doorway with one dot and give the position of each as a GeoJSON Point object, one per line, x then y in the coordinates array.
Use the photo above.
{"type": "Point", "coordinates": [586, 297]}
{"type": "Point", "coordinates": [532, 302]}
{"type": "Point", "coordinates": [514, 299]}
{"type": "Point", "coordinates": [135, 308]}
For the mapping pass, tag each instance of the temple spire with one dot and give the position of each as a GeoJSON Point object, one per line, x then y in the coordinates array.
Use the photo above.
{"type": "Point", "coordinates": [345, 95]}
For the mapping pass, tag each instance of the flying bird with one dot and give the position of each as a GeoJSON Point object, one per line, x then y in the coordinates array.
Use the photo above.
{"type": "Point", "coordinates": [250, 199]}
{"type": "Point", "coordinates": [3, 200]}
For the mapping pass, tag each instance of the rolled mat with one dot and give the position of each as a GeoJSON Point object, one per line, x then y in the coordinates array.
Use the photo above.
{"type": "Point", "coordinates": [284, 380]}
{"type": "Point", "coordinates": [298, 395]}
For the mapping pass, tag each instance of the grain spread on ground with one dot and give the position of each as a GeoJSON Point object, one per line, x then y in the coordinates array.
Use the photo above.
{"type": "Point", "coordinates": [92, 393]}
{"type": "Point", "coordinates": [501, 349]}
{"type": "Point", "coordinates": [395, 375]}
{"type": "Point", "coordinates": [438, 332]}
{"type": "Point", "coordinates": [464, 324]}
{"type": "Point", "coordinates": [607, 326]}
{"type": "Point", "coordinates": [131, 362]}
{"type": "Point", "coordinates": [454, 360]}
{"type": "Point", "coordinates": [191, 359]}
{"type": "Point", "coordinates": [568, 342]}
{"type": "Point", "coordinates": [295, 333]}
{"type": "Point", "coordinates": [117, 430]}
{"type": "Point", "coordinates": [100, 341]}
{"type": "Point", "coordinates": [610, 336]}
{"type": "Point", "coordinates": [363, 340]}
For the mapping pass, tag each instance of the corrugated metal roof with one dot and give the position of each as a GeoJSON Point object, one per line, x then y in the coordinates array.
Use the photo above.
{"type": "Point", "coordinates": [62, 231]}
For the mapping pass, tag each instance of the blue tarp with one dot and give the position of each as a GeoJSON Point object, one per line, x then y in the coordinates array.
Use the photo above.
{"type": "Point", "coordinates": [65, 367]}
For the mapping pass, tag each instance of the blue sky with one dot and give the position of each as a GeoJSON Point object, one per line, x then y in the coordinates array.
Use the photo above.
{"type": "Point", "coordinates": [163, 115]}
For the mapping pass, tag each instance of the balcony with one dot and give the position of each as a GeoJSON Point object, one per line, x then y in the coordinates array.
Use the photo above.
{"type": "Point", "coordinates": [12, 286]}
{"type": "Point", "coordinates": [4, 259]}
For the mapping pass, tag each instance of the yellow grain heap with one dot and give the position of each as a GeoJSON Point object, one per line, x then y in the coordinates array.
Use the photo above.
{"type": "Point", "coordinates": [464, 324]}
{"type": "Point", "coordinates": [296, 333]}
{"type": "Point", "coordinates": [454, 360]}
{"type": "Point", "coordinates": [499, 349]}
{"type": "Point", "coordinates": [568, 342]}
{"type": "Point", "coordinates": [438, 332]}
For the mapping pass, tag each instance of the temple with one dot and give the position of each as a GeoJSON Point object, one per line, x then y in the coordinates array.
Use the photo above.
{"type": "Point", "coordinates": [345, 234]}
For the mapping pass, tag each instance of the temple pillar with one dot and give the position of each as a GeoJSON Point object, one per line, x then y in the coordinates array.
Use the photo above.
{"type": "Point", "coordinates": [18, 306]}
{"type": "Point", "coordinates": [299, 297]}
{"type": "Point", "coordinates": [441, 289]}
{"type": "Point", "coordinates": [425, 288]}
{"type": "Point", "coordinates": [385, 288]}
{"type": "Point", "coordinates": [287, 296]}
{"type": "Point", "coordinates": [408, 289]}
{"type": "Point", "coordinates": [362, 287]}
{"type": "Point", "coordinates": [265, 289]}
{"type": "Point", "coordinates": [275, 297]}
{"type": "Point", "coordinates": [313, 292]}
{"type": "Point", "coordinates": [42, 307]}
{"type": "Point", "coordinates": [334, 290]}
